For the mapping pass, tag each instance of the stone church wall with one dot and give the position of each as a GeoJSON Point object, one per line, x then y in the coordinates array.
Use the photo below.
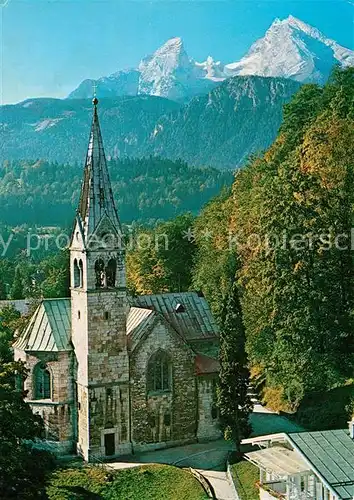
{"type": "Point", "coordinates": [208, 424]}
{"type": "Point", "coordinates": [103, 372]}
{"type": "Point", "coordinates": [58, 412]}
{"type": "Point", "coordinates": [109, 414]}
{"type": "Point", "coordinates": [167, 418]}
{"type": "Point", "coordinates": [108, 357]}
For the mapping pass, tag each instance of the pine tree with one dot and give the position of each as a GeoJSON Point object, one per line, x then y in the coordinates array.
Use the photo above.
{"type": "Point", "coordinates": [17, 285]}
{"type": "Point", "coordinates": [233, 400]}
{"type": "Point", "coordinates": [23, 468]}
{"type": "Point", "coordinates": [3, 295]}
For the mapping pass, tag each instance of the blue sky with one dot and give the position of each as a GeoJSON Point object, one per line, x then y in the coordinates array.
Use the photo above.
{"type": "Point", "coordinates": [50, 46]}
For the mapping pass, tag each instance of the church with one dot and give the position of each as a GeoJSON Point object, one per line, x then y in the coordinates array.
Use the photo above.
{"type": "Point", "coordinates": [109, 373]}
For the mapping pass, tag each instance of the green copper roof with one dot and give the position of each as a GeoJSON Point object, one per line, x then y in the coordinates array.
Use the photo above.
{"type": "Point", "coordinates": [331, 454]}
{"type": "Point", "coordinates": [49, 328]}
{"type": "Point", "coordinates": [187, 312]}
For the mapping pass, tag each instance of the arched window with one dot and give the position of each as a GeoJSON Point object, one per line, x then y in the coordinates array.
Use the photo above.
{"type": "Point", "coordinates": [159, 374]}
{"type": "Point", "coordinates": [111, 271]}
{"type": "Point", "coordinates": [20, 383]}
{"type": "Point", "coordinates": [100, 274]}
{"type": "Point", "coordinates": [76, 274]}
{"type": "Point", "coordinates": [42, 382]}
{"type": "Point", "coordinates": [81, 270]}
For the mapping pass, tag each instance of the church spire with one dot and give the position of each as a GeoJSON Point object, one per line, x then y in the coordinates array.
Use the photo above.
{"type": "Point", "coordinates": [96, 199]}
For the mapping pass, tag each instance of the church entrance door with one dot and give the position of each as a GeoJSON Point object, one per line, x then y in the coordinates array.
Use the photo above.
{"type": "Point", "coordinates": [109, 444]}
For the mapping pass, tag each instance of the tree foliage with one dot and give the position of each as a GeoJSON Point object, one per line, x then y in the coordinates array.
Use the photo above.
{"type": "Point", "coordinates": [291, 214]}
{"type": "Point", "coordinates": [147, 189]}
{"type": "Point", "coordinates": [233, 400]}
{"type": "Point", "coordinates": [10, 319]}
{"type": "Point", "coordinates": [42, 274]}
{"type": "Point", "coordinates": [161, 259]}
{"type": "Point", "coordinates": [22, 466]}
{"type": "Point", "coordinates": [215, 262]}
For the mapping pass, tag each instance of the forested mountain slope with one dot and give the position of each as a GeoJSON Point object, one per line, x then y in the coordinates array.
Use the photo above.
{"type": "Point", "coordinates": [288, 222]}
{"type": "Point", "coordinates": [58, 130]}
{"type": "Point", "coordinates": [240, 117]}
{"type": "Point", "coordinates": [219, 129]}
{"type": "Point", "coordinates": [42, 193]}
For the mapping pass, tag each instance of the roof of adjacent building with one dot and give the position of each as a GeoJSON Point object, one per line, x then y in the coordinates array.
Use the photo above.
{"type": "Point", "coordinates": [205, 365]}
{"type": "Point", "coordinates": [21, 305]}
{"type": "Point", "coordinates": [49, 328]}
{"type": "Point", "coordinates": [193, 321]}
{"type": "Point", "coordinates": [278, 460]}
{"type": "Point", "coordinates": [331, 454]}
{"type": "Point", "coordinates": [136, 319]}
{"type": "Point", "coordinates": [138, 322]}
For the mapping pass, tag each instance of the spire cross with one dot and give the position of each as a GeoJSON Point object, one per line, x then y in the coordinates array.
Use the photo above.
{"type": "Point", "coordinates": [94, 88]}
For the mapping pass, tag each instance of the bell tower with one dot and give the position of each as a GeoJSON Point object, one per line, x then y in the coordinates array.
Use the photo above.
{"type": "Point", "coordinates": [99, 309]}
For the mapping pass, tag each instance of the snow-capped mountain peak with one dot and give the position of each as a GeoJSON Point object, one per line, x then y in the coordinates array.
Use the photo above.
{"type": "Point", "coordinates": [170, 55]}
{"type": "Point", "coordinates": [342, 55]}
{"type": "Point", "coordinates": [293, 24]}
{"type": "Point", "coordinates": [292, 49]}
{"type": "Point", "coordinates": [170, 72]}
{"type": "Point", "coordinates": [296, 23]}
{"type": "Point", "coordinates": [172, 45]}
{"type": "Point", "coordinates": [167, 59]}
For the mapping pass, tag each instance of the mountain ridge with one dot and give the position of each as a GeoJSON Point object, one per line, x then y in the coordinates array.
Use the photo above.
{"type": "Point", "coordinates": [290, 48]}
{"type": "Point", "coordinates": [220, 129]}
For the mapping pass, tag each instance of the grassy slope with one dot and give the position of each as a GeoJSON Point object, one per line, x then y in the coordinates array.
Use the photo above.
{"type": "Point", "coordinates": [245, 476]}
{"type": "Point", "coordinates": [148, 482]}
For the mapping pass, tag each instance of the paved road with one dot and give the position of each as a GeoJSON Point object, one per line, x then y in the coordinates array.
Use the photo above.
{"type": "Point", "coordinates": [206, 456]}
{"type": "Point", "coordinates": [219, 481]}
{"type": "Point", "coordinates": [265, 422]}
{"type": "Point", "coordinates": [210, 458]}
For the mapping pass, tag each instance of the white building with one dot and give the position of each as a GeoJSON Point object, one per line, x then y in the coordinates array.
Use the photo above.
{"type": "Point", "coordinates": [305, 465]}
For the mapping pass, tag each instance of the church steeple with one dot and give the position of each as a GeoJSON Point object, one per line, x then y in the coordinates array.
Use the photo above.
{"type": "Point", "coordinates": [96, 199]}
{"type": "Point", "coordinates": [99, 308]}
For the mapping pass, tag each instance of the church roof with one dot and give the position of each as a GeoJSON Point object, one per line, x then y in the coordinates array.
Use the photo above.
{"type": "Point", "coordinates": [96, 198]}
{"type": "Point", "coordinates": [188, 313]}
{"type": "Point", "coordinates": [49, 328]}
{"type": "Point", "coordinates": [137, 319]}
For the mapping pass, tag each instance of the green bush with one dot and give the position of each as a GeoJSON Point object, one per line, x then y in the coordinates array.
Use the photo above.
{"type": "Point", "coordinates": [326, 410]}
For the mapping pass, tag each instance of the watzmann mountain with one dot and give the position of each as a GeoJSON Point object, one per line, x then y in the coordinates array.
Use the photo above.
{"type": "Point", "coordinates": [169, 72]}
{"type": "Point", "coordinates": [207, 113]}
{"type": "Point", "coordinates": [289, 49]}
{"type": "Point", "coordinates": [293, 49]}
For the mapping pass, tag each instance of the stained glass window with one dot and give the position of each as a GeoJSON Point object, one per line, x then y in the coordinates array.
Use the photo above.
{"type": "Point", "coordinates": [42, 380]}
{"type": "Point", "coordinates": [159, 372]}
